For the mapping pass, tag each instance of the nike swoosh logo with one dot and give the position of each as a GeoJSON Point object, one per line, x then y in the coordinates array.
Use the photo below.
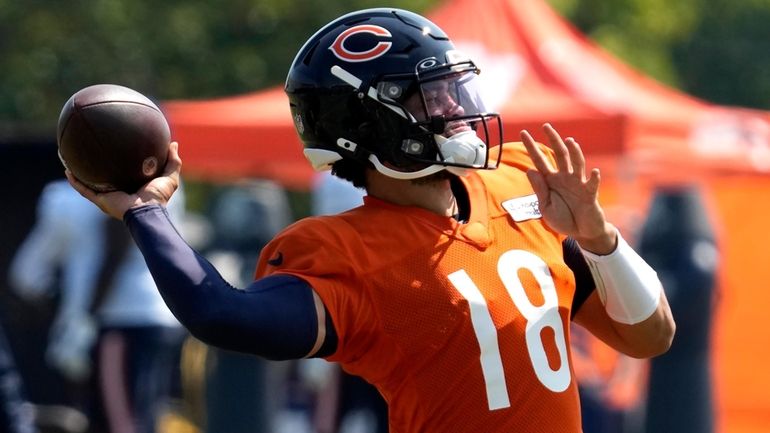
{"type": "Point", "coordinates": [277, 260]}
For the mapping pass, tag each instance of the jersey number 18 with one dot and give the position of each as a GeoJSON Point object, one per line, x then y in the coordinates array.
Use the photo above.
{"type": "Point", "coordinates": [538, 318]}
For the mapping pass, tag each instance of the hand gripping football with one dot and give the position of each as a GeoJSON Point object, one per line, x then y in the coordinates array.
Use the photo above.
{"type": "Point", "coordinates": [112, 138]}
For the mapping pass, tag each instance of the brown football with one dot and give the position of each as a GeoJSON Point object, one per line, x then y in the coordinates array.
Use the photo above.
{"type": "Point", "coordinates": [112, 138]}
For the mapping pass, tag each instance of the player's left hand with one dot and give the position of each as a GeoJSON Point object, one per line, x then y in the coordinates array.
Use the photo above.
{"type": "Point", "coordinates": [569, 199]}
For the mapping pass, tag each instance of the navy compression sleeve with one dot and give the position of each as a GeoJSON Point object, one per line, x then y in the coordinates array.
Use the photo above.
{"type": "Point", "coordinates": [275, 317]}
{"type": "Point", "coordinates": [584, 281]}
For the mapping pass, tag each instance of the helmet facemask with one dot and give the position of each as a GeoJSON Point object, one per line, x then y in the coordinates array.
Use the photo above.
{"type": "Point", "coordinates": [444, 123]}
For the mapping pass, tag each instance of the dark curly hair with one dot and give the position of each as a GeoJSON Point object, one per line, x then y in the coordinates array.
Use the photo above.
{"type": "Point", "coordinates": [351, 170]}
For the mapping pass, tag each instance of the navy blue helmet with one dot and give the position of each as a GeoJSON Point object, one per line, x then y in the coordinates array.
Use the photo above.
{"type": "Point", "coordinates": [387, 86]}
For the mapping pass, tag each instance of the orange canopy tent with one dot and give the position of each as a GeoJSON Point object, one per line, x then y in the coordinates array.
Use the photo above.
{"type": "Point", "coordinates": [538, 68]}
{"type": "Point", "coordinates": [241, 136]}
{"type": "Point", "coordinates": [542, 69]}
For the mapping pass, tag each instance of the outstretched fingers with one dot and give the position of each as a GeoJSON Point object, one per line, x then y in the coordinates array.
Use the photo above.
{"type": "Point", "coordinates": [576, 157]}
{"type": "Point", "coordinates": [579, 165]}
{"type": "Point", "coordinates": [561, 153]}
{"type": "Point", "coordinates": [538, 158]}
{"type": "Point", "coordinates": [593, 181]}
{"type": "Point", "coordinates": [568, 155]}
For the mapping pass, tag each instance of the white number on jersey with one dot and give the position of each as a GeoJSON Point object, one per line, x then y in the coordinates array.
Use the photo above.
{"type": "Point", "coordinates": [538, 318]}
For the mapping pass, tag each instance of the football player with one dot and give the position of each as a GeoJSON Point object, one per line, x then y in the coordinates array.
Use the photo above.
{"type": "Point", "coordinates": [452, 288]}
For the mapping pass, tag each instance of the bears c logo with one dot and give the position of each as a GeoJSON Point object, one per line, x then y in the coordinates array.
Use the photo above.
{"type": "Point", "coordinates": [380, 48]}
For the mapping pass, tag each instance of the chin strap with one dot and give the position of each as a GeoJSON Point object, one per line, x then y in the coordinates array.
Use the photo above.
{"type": "Point", "coordinates": [468, 149]}
{"type": "Point", "coordinates": [427, 171]}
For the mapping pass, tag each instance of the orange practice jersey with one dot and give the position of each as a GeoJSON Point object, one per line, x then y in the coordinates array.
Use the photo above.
{"type": "Point", "coordinates": [461, 327]}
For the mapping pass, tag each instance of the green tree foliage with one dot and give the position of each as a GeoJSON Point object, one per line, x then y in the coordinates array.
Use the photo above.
{"type": "Point", "coordinates": [639, 31]}
{"type": "Point", "coordinates": [190, 49]}
{"type": "Point", "coordinates": [726, 59]}
{"type": "Point", "coordinates": [713, 49]}
{"type": "Point", "coordinates": [166, 49]}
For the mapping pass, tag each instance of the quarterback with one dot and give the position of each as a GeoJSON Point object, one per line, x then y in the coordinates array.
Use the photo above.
{"type": "Point", "coordinates": [452, 288]}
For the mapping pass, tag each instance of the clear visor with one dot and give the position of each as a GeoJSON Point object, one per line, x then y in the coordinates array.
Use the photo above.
{"type": "Point", "coordinates": [449, 124]}
{"type": "Point", "coordinates": [455, 95]}
{"type": "Point", "coordinates": [452, 101]}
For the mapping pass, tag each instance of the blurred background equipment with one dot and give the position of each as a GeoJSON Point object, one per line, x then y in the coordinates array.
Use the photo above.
{"type": "Point", "coordinates": [239, 393]}
{"type": "Point", "coordinates": [679, 241]}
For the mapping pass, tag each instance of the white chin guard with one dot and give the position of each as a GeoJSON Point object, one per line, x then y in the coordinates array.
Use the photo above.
{"type": "Point", "coordinates": [463, 148]}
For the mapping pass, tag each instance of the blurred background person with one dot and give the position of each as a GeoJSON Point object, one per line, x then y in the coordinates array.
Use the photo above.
{"type": "Point", "coordinates": [112, 333]}
{"type": "Point", "coordinates": [49, 262]}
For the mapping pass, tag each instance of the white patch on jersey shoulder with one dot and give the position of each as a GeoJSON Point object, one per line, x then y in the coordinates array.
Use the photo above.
{"type": "Point", "coordinates": [523, 208]}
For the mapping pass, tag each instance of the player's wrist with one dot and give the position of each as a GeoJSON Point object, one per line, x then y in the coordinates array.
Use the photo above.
{"type": "Point", "coordinates": [143, 203]}
{"type": "Point", "coordinates": [602, 243]}
{"type": "Point", "coordinates": [137, 211]}
{"type": "Point", "coordinates": [133, 203]}
{"type": "Point", "coordinates": [628, 287]}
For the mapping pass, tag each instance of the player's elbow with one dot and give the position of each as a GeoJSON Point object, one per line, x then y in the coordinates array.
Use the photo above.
{"type": "Point", "coordinates": [665, 336]}
{"type": "Point", "coordinates": [655, 339]}
{"type": "Point", "coordinates": [665, 330]}
{"type": "Point", "coordinates": [262, 338]}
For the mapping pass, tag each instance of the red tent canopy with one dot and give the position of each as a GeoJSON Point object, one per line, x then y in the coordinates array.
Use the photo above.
{"type": "Point", "coordinates": [242, 136]}
{"type": "Point", "coordinates": [543, 69]}
{"type": "Point", "coordinates": [537, 68]}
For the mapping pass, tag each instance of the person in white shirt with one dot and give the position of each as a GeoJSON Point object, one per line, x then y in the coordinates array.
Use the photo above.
{"type": "Point", "coordinates": [112, 327]}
